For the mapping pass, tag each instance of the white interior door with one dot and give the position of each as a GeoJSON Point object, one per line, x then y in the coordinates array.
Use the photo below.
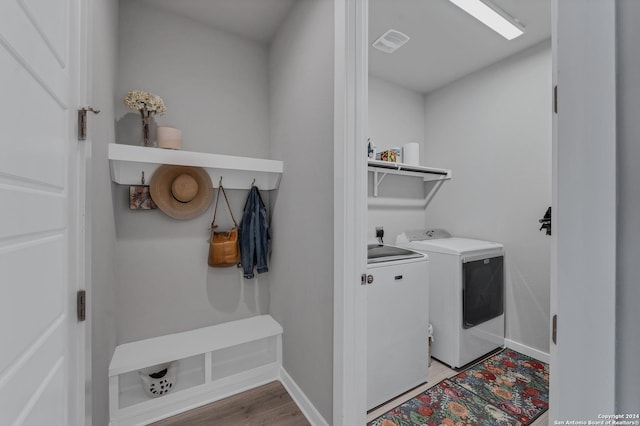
{"type": "Point", "coordinates": [584, 211]}
{"type": "Point", "coordinates": [41, 354]}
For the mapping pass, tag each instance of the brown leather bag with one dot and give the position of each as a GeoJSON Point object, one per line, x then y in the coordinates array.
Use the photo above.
{"type": "Point", "coordinates": [224, 248]}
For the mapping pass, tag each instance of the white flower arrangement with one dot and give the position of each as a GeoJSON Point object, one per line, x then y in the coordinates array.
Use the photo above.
{"type": "Point", "coordinates": [148, 104]}
{"type": "Point", "coordinates": [145, 102]}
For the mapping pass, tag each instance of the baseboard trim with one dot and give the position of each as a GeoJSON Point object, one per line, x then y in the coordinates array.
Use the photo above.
{"type": "Point", "coordinates": [527, 350]}
{"type": "Point", "coordinates": [308, 409]}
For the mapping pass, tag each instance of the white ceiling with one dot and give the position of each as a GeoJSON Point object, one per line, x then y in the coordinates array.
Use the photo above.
{"type": "Point", "coordinates": [446, 43]}
{"type": "Point", "coordinates": [256, 20]}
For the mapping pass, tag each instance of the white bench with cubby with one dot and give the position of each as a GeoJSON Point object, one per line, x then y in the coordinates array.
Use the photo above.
{"type": "Point", "coordinates": [212, 363]}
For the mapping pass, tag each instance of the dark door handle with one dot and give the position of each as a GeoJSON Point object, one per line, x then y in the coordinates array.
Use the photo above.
{"type": "Point", "coordinates": [546, 221]}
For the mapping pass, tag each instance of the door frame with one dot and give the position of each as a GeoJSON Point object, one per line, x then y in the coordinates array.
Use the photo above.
{"type": "Point", "coordinates": [79, 218]}
{"type": "Point", "coordinates": [350, 207]}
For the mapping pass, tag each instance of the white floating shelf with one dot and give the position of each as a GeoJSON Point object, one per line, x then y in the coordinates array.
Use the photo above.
{"type": "Point", "coordinates": [428, 173]}
{"type": "Point", "coordinates": [128, 162]}
{"type": "Point", "coordinates": [381, 169]}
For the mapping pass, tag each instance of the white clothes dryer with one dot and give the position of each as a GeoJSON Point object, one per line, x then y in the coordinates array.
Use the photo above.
{"type": "Point", "coordinates": [466, 303]}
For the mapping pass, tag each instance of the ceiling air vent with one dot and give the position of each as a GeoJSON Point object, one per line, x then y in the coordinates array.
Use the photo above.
{"type": "Point", "coordinates": [390, 41]}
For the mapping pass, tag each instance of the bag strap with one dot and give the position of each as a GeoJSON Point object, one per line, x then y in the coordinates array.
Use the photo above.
{"type": "Point", "coordinates": [215, 210]}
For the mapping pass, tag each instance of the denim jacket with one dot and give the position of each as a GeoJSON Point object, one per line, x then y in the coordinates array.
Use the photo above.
{"type": "Point", "coordinates": [254, 235]}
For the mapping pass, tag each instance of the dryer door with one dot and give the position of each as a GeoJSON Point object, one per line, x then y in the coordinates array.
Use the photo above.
{"type": "Point", "coordinates": [482, 290]}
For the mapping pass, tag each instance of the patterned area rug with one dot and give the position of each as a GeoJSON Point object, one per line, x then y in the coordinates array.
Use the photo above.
{"type": "Point", "coordinates": [508, 388]}
{"type": "Point", "coordinates": [514, 382]}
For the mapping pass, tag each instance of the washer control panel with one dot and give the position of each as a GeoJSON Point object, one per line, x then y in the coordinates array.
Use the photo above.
{"type": "Point", "coordinates": [428, 234]}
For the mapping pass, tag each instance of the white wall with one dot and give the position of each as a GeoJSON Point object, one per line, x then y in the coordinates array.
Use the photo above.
{"type": "Point", "coordinates": [214, 84]}
{"type": "Point", "coordinates": [301, 108]}
{"type": "Point", "coordinates": [628, 233]}
{"type": "Point", "coordinates": [102, 308]}
{"type": "Point", "coordinates": [396, 114]}
{"type": "Point", "coordinates": [493, 129]}
{"type": "Point", "coordinates": [396, 117]}
{"type": "Point", "coordinates": [215, 87]}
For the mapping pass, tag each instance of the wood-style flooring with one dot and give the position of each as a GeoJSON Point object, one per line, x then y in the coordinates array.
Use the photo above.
{"type": "Point", "coordinates": [266, 405]}
{"type": "Point", "coordinates": [271, 405]}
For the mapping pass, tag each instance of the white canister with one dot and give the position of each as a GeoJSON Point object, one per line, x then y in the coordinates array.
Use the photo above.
{"type": "Point", "coordinates": [169, 138]}
{"type": "Point", "coordinates": [411, 153]}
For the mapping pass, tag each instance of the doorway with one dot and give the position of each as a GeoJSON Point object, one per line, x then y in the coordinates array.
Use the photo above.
{"type": "Point", "coordinates": [478, 105]}
{"type": "Point", "coordinates": [577, 22]}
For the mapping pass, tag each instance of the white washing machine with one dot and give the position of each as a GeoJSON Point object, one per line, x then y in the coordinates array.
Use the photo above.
{"type": "Point", "coordinates": [397, 322]}
{"type": "Point", "coordinates": [466, 288]}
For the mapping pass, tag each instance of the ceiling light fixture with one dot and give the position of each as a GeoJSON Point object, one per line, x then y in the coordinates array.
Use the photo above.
{"type": "Point", "coordinates": [492, 16]}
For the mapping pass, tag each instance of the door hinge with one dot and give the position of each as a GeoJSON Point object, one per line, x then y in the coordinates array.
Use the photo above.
{"type": "Point", "coordinates": [554, 329]}
{"type": "Point", "coordinates": [82, 122]}
{"type": "Point", "coordinates": [81, 305]}
{"type": "Point", "coordinates": [555, 98]}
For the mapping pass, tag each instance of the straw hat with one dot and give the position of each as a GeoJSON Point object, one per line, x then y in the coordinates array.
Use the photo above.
{"type": "Point", "coordinates": [181, 192]}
